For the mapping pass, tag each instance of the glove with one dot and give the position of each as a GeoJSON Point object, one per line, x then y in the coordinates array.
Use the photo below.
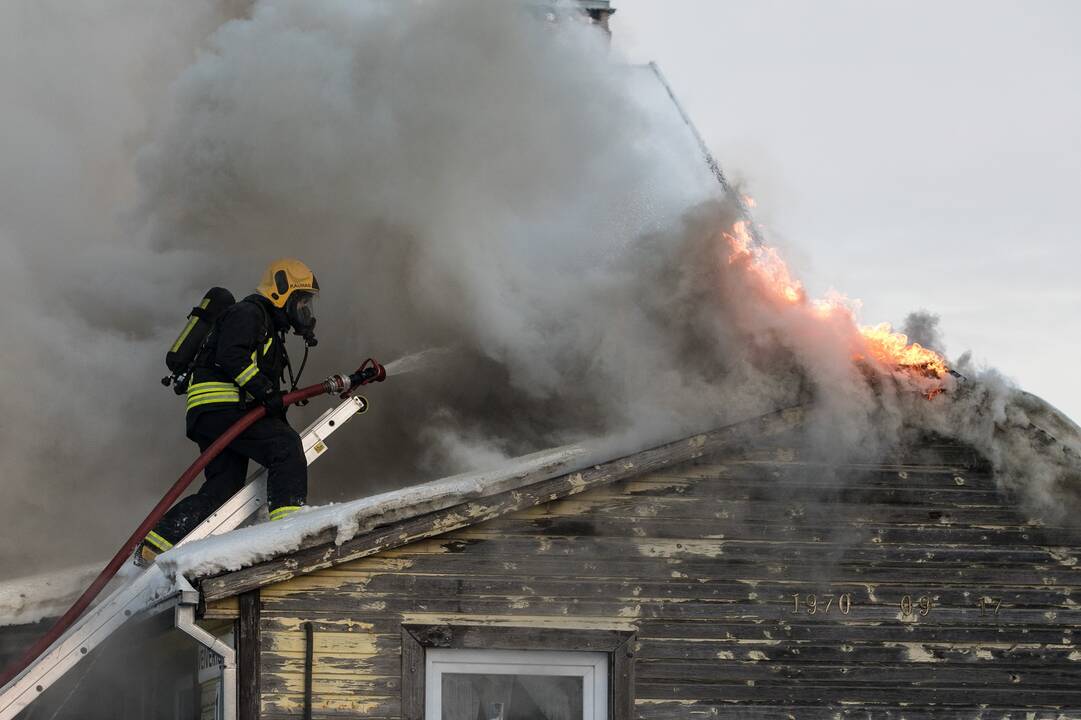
{"type": "Point", "coordinates": [272, 401]}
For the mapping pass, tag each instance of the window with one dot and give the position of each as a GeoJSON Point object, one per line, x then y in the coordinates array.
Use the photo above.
{"type": "Point", "coordinates": [504, 672]}
{"type": "Point", "coordinates": [515, 685]}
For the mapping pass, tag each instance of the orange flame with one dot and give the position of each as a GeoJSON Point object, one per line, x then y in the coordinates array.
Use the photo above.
{"type": "Point", "coordinates": [893, 348]}
{"type": "Point", "coordinates": [765, 262]}
{"type": "Point", "coordinates": [880, 342]}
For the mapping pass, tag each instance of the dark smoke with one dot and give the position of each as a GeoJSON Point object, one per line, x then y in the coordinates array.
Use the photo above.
{"type": "Point", "coordinates": [921, 327]}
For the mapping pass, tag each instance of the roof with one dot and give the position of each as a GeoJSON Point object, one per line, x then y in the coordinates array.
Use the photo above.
{"type": "Point", "coordinates": [325, 537]}
{"type": "Point", "coordinates": [30, 599]}
{"type": "Point", "coordinates": [339, 523]}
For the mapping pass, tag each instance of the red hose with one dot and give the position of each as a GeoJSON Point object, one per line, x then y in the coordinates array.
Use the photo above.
{"type": "Point", "coordinates": [125, 552]}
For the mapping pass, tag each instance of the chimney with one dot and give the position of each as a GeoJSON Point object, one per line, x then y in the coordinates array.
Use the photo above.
{"type": "Point", "coordinates": [595, 12]}
{"type": "Point", "coordinates": [599, 11]}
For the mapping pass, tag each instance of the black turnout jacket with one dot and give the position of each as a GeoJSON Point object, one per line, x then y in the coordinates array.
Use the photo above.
{"type": "Point", "coordinates": [243, 361]}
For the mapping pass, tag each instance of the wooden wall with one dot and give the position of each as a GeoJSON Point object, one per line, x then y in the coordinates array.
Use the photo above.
{"type": "Point", "coordinates": [763, 587]}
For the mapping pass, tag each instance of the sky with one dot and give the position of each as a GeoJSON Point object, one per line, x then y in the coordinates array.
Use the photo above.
{"type": "Point", "coordinates": [915, 155]}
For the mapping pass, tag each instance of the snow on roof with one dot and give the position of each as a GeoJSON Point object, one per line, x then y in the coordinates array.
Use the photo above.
{"type": "Point", "coordinates": [248, 546]}
{"type": "Point", "coordinates": [30, 599]}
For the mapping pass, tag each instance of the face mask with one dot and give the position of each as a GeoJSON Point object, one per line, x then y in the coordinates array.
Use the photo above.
{"type": "Point", "coordinates": [300, 309]}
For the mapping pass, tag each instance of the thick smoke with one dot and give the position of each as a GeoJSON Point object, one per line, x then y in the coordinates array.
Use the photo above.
{"type": "Point", "coordinates": [460, 174]}
{"type": "Point", "coordinates": [921, 327]}
{"type": "Point", "coordinates": [82, 437]}
{"type": "Point", "coordinates": [502, 187]}
{"type": "Point", "coordinates": [1034, 449]}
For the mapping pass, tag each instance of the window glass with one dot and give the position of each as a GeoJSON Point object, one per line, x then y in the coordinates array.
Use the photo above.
{"type": "Point", "coordinates": [511, 697]}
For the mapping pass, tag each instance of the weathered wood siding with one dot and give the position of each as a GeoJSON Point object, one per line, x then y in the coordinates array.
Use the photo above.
{"type": "Point", "coordinates": [761, 587]}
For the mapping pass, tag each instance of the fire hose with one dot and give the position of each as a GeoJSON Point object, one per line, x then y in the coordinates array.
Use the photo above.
{"type": "Point", "coordinates": [344, 385]}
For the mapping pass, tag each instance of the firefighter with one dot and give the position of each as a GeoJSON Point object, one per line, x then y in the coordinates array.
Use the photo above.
{"type": "Point", "coordinates": [240, 366]}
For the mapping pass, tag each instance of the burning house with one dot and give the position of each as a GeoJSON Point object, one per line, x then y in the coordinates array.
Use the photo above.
{"type": "Point", "coordinates": [729, 574]}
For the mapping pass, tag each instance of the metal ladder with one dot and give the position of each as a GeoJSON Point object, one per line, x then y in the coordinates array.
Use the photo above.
{"type": "Point", "coordinates": [137, 589]}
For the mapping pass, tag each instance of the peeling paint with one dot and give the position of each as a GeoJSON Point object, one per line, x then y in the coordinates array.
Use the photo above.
{"type": "Point", "coordinates": [916, 652]}
{"type": "Point", "coordinates": [1063, 556]}
{"type": "Point", "coordinates": [704, 599]}
{"type": "Point", "coordinates": [673, 548]}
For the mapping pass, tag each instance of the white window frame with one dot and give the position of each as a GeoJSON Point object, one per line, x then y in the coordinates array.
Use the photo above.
{"type": "Point", "coordinates": [592, 667]}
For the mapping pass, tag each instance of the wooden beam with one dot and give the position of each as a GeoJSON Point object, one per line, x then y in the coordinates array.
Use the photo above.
{"type": "Point", "coordinates": [465, 636]}
{"type": "Point", "coordinates": [413, 673]}
{"type": "Point", "coordinates": [248, 647]}
{"type": "Point", "coordinates": [621, 684]}
{"type": "Point", "coordinates": [326, 554]}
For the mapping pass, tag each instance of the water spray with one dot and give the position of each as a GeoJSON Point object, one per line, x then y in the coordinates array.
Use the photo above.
{"type": "Point", "coordinates": [421, 360]}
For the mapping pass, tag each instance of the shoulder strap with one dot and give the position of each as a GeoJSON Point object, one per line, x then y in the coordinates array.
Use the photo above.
{"type": "Point", "coordinates": [200, 359]}
{"type": "Point", "coordinates": [268, 324]}
{"type": "Point", "coordinates": [263, 313]}
{"type": "Point", "coordinates": [268, 331]}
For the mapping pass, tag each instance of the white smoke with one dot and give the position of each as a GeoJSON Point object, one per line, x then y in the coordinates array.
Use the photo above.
{"type": "Point", "coordinates": [1034, 449]}
{"type": "Point", "coordinates": [83, 86]}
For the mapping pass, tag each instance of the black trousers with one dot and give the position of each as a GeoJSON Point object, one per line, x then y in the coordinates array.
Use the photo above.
{"type": "Point", "coordinates": [271, 442]}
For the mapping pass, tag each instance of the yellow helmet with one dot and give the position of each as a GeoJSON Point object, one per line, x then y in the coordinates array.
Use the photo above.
{"type": "Point", "coordinates": [284, 277]}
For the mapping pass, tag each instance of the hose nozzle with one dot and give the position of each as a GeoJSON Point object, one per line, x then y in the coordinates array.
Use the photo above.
{"type": "Point", "coordinates": [338, 384]}
{"type": "Point", "coordinates": [369, 371]}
